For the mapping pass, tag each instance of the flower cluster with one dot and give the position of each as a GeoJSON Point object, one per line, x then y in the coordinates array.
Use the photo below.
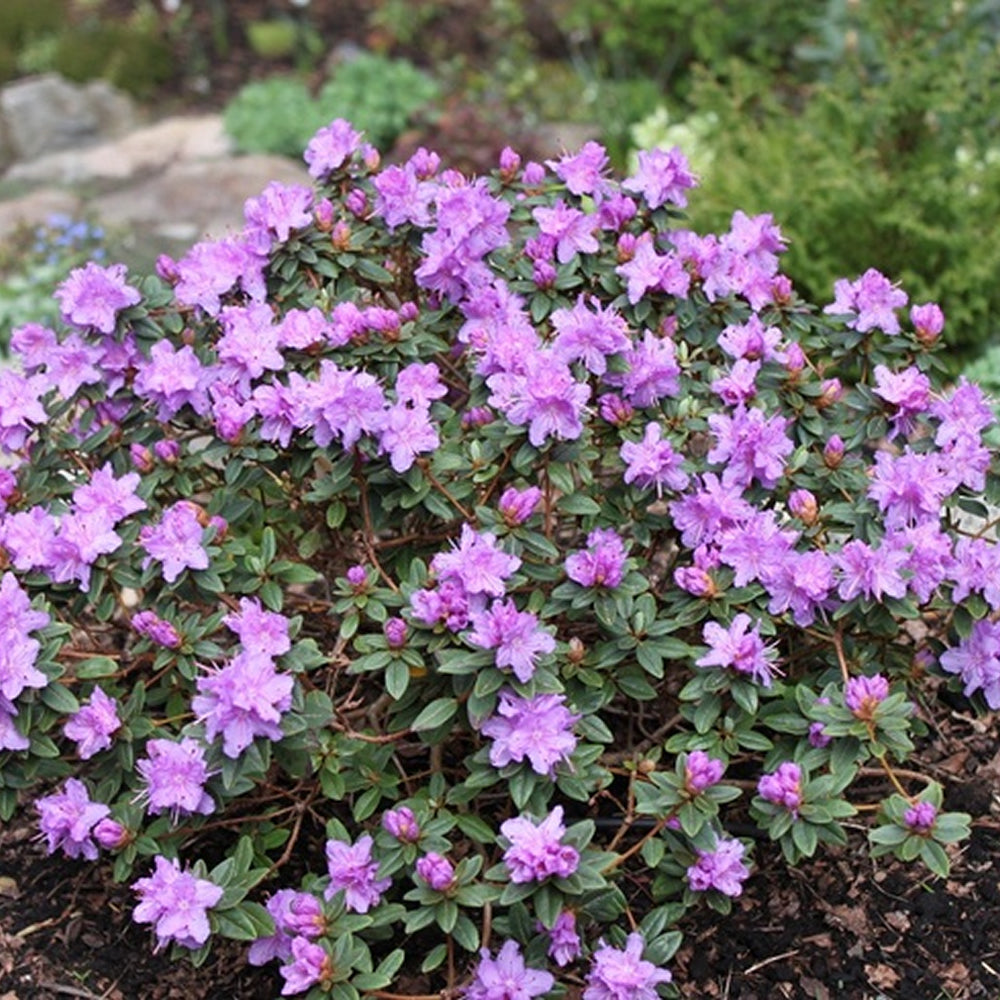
{"type": "Point", "coordinates": [428, 551]}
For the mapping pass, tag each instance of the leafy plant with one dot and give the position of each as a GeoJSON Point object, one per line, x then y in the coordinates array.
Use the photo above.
{"type": "Point", "coordinates": [456, 561]}
{"type": "Point", "coordinates": [894, 165]}
{"type": "Point", "coordinates": [280, 115]}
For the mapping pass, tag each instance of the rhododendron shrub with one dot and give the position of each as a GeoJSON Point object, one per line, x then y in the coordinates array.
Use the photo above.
{"type": "Point", "coordinates": [460, 563]}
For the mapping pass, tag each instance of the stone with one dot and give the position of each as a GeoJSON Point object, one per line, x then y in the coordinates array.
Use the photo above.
{"type": "Point", "coordinates": [147, 150]}
{"type": "Point", "coordinates": [194, 199]}
{"type": "Point", "coordinates": [44, 114]}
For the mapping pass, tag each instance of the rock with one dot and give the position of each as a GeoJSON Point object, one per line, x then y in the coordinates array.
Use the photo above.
{"type": "Point", "coordinates": [34, 209]}
{"type": "Point", "coordinates": [147, 150]}
{"type": "Point", "coordinates": [194, 199]}
{"type": "Point", "coordinates": [44, 114]}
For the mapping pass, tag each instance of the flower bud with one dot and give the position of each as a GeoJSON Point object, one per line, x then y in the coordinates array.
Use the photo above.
{"type": "Point", "coordinates": [802, 503]}
{"type": "Point", "coordinates": [920, 818]}
{"type": "Point", "coordinates": [831, 391]}
{"type": "Point", "coordinates": [863, 695]}
{"type": "Point", "coordinates": [142, 457]}
{"type": "Point", "coordinates": [534, 174]}
{"type": "Point", "coordinates": [323, 212]}
{"type": "Point", "coordinates": [517, 506]}
{"type": "Point", "coordinates": [795, 359]}
{"type": "Point", "coordinates": [110, 834]}
{"type": "Point", "coordinates": [402, 824]}
{"type": "Point", "coordinates": [928, 320]}
{"type": "Point", "coordinates": [510, 163]}
{"type": "Point", "coordinates": [615, 410]}
{"type": "Point", "coordinates": [340, 236]}
{"type": "Point", "coordinates": [436, 871]}
{"type": "Point", "coordinates": [167, 450]}
{"type": "Point", "coordinates": [395, 633]}
{"type": "Point", "coordinates": [577, 651]}
{"type": "Point", "coordinates": [833, 452]}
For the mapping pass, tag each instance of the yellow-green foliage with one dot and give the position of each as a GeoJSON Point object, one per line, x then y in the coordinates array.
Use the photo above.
{"type": "Point", "coordinates": [889, 160]}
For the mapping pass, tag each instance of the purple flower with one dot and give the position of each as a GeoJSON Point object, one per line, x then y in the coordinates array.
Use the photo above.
{"type": "Point", "coordinates": [263, 632]}
{"type": "Point", "coordinates": [402, 824]}
{"type": "Point", "coordinates": [623, 974]}
{"type": "Point", "coordinates": [175, 774]}
{"type": "Point", "coordinates": [908, 392]}
{"type": "Point", "coordinates": [801, 583]}
{"type": "Point", "coordinates": [331, 147]}
{"type": "Point", "coordinates": [783, 787]}
{"type": "Point", "coordinates": [309, 965]}
{"type": "Point", "coordinates": [515, 635]}
{"type": "Point", "coordinates": [652, 462]}
{"type": "Point", "coordinates": [352, 870]}
{"type": "Point", "coordinates": [243, 700]}
{"type": "Point", "coordinates": [506, 977]}
{"type": "Point", "coordinates": [572, 229]}
{"type": "Point", "coordinates": [909, 488]}
{"type": "Point", "coordinates": [294, 913]}
{"type": "Point", "coordinates": [275, 212]}
{"type": "Point", "coordinates": [977, 659]}
{"type": "Point", "coordinates": [249, 345]}
{"type": "Point", "coordinates": [601, 563]}
{"type": "Point", "coordinates": [873, 572]}
{"type": "Point", "coordinates": [476, 563]}
{"type": "Point", "coordinates": [802, 504]}
{"type": "Point", "coordinates": [863, 695]}
{"type": "Point", "coordinates": [93, 725]}
{"type": "Point", "coordinates": [176, 541]}
{"type": "Point", "coordinates": [751, 445]}
{"type": "Point", "coordinates": [407, 432]}
{"type": "Point", "coordinates": [20, 406]}
{"type": "Point", "coordinates": [589, 336]}
{"type": "Point", "coordinates": [564, 941]}
{"type": "Point", "coordinates": [751, 341]}
{"type": "Point", "coordinates": [172, 379]}
{"type": "Point", "coordinates": [545, 396]}
{"type": "Point", "coordinates": [871, 302]}
{"type": "Point", "coordinates": [67, 819]}
{"type": "Point", "coordinates": [721, 869]}
{"type": "Point", "coordinates": [920, 818]}
{"type": "Point", "coordinates": [651, 371]}
{"type": "Point", "coordinates": [18, 651]}
{"type": "Point", "coordinates": [177, 902]}
{"type": "Point", "coordinates": [582, 172]}
{"type": "Point", "coordinates": [701, 771]}
{"type": "Point", "coordinates": [536, 851]}
{"type": "Point", "coordinates": [662, 176]}
{"type": "Point", "coordinates": [539, 728]}
{"type": "Point", "coordinates": [92, 296]}
{"type": "Point", "coordinates": [437, 871]}
{"type": "Point", "coordinates": [738, 649]}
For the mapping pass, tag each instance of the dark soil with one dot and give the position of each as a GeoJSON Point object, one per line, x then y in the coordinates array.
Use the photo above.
{"type": "Point", "coordinates": [838, 927]}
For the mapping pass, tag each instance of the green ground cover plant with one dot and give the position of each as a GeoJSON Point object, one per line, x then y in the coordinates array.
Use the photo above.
{"type": "Point", "coordinates": [280, 114]}
{"type": "Point", "coordinates": [457, 567]}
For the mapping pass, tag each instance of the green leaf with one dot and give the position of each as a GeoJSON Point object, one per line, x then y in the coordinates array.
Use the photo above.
{"type": "Point", "coordinates": [397, 679]}
{"type": "Point", "coordinates": [96, 666]}
{"type": "Point", "coordinates": [437, 713]}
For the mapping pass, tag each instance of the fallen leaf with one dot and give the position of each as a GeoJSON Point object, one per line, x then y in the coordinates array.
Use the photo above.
{"type": "Point", "coordinates": [882, 976]}
{"type": "Point", "coordinates": [898, 920]}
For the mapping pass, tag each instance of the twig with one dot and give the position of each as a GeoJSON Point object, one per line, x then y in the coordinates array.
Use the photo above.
{"type": "Point", "coordinates": [770, 961]}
